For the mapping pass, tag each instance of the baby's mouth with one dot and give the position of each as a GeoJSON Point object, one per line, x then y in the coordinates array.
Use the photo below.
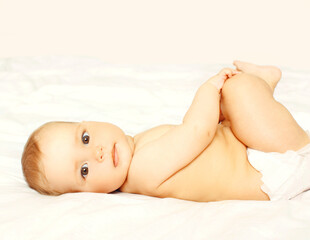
{"type": "Point", "coordinates": [115, 155]}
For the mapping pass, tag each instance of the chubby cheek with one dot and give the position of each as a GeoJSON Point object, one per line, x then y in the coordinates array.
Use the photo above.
{"type": "Point", "coordinates": [102, 181]}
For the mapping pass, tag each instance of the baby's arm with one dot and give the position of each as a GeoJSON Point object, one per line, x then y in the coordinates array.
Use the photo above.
{"type": "Point", "coordinates": [158, 160]}
{"type": "Point", "coordinates": [203, 113]}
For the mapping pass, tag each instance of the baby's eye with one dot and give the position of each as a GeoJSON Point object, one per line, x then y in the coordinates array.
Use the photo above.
{"type": "Point", "coordinates": [84, 170]}
{"type": "Point", "coordinates": [85, 138]}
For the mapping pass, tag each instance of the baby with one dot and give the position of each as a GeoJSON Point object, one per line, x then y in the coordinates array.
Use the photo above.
{"type": "Point", "coordinates": [228, 141]}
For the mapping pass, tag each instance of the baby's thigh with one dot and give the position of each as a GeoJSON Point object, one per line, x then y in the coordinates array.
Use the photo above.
{"type": "Point", "coordinates": [257, 119]}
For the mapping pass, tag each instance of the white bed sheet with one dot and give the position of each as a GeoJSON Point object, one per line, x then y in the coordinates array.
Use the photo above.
{"type": "Point", "coordinates": [39, 89]}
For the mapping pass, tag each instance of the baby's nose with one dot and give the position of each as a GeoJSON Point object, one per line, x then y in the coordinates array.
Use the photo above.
{"type": "Point", "coordinates": [99, 153]}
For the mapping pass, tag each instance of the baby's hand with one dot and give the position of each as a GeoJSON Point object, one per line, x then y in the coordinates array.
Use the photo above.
{"type": "Point", "coordinates": [219, 79]}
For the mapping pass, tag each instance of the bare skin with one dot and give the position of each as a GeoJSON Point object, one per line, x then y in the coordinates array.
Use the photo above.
{"type": "Point", "coordinates": [257, 119]}
{"type": "Point", "coordinates": [202, 159]}
{"type": "Point", "coordinates": [222, 170]}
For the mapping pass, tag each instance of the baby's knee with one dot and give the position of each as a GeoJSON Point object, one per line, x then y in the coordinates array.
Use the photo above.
{"type": "Point", "coordinates": [234, 85]}
{"type": "Point", "coordinates": [238, 85]}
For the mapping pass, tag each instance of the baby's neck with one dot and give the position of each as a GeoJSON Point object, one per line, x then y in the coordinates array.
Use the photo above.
{"type": "Point", "coordinates": [131, 142]}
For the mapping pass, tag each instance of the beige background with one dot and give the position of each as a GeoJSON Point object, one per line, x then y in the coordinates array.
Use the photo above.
{"type": "Point", "coordinates": [159, 31]}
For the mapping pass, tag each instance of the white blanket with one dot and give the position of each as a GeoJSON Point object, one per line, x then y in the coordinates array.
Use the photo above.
{"type": "Point", "coordinates": [37, 90]}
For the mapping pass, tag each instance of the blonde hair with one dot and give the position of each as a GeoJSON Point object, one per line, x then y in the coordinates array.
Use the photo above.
{"type": "Point", "coordinates": [33, 167]}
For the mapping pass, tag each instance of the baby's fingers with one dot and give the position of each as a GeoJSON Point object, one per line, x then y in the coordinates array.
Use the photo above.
{"type": "Point", "coordinates": [234, 71]}
{"type": "Point", "coordinates": [228, 72]}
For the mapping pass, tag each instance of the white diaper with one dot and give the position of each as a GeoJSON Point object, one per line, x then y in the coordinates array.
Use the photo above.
{"type": "Point", "coordinates": [285, 175]}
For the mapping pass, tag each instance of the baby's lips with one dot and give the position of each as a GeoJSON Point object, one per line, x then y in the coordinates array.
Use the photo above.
{"type": "Point", "coordinates": [115, 155]}
{"type": "Point", "coordinates": [116, 159]}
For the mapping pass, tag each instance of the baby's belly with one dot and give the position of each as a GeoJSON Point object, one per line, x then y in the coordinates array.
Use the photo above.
{"type": "Point", "coordinates": [220, 172]}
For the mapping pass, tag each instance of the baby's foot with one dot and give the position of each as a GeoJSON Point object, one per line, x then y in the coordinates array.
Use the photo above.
{"type": "Point", "coordinates": [270, 74]}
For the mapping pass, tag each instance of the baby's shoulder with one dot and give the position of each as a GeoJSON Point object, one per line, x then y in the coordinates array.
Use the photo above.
{"type": "Point", "coordinates": [150, 135]}
{"type": "Point", "coordinates": [133, 183]}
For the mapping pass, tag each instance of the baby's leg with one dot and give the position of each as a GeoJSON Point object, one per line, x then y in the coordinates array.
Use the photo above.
{"type": "Point", "coordinates": [256, 118]}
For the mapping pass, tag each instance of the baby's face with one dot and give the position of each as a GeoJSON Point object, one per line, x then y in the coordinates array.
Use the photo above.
{"type": "Point", "coordinates": [86, 156]}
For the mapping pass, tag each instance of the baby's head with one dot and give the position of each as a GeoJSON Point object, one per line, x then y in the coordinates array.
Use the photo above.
{"type": "Point", "coordinates": [62, 157]}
